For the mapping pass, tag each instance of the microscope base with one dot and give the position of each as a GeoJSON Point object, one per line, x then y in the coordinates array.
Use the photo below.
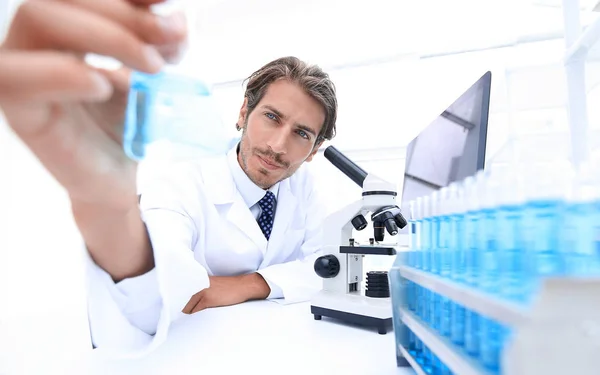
{"type": "Point", "coordinates": [355, 309]}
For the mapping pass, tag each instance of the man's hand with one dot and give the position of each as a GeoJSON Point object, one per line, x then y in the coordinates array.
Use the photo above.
{"type": "Point", "coordinates": [228, 290]}
{"type": "Point", "coordinates": [71, 115]}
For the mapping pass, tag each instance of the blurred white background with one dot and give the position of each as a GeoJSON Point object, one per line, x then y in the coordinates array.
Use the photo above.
{"type": "Point", "coordinates": [372, 53]}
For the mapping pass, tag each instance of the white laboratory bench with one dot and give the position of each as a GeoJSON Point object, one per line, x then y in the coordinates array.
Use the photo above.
{"type": "Point", "coordinates": [262, 337]}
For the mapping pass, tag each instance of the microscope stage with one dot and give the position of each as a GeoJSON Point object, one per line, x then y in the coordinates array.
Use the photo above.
{"type": "Point", "coordinates": [354, 308]}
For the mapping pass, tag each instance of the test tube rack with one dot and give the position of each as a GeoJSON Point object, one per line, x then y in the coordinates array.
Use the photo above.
{"type": "Point", "coordinates": [558, 334]}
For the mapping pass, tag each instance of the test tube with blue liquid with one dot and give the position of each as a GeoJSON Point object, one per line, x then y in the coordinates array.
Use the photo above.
{"type": "Point", "coordinates": [491, 332]}
{"type": "Point", "coordinates": [472, 213]}
{"type": "Point", "coordinates": [435, 299]}
{"type": "Point", "coordinates": [445, 256]}
{"type": "Point", "coordinates": [514, 275]}
{"type": "Point", "coordinates": [418, 290]}
{"type": "Point", "coordinates": [545, 189]}
{"type": "Point", "coordinates": [457, 274]}
{"type": "Point", "coordinates": [580, 243]}
{"type": "Point", "coordinates": [426, 295]}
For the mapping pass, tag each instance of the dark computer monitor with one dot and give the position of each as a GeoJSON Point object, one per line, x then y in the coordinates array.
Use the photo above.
{"type": "Point", "coordinates": [450, 148]}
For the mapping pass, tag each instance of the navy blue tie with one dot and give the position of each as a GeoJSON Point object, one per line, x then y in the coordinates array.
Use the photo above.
{"type": "Point", "coordinates": [265, 220]}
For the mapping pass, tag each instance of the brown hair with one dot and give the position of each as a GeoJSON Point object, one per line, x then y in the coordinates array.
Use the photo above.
{"type": "Point", "coordinates": [311, 78]}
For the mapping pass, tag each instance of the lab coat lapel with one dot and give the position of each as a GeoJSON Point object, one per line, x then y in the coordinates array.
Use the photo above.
{"type": "Point", "coordinates": [239, 214]}
{"type": "Point", "coordinates": [287, 204]}
{"type": "Point", "coordinates": [227, 198]}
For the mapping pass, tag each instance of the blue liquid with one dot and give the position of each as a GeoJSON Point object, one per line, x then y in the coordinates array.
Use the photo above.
{"type": "Point", "coordinates": [419, 350]}
{"type": "Point", "coordinates": [457, 329]}
{"type": "Point", "coordinates": [434, 311]}
{"type": "Point", "coordinates": [435, 246]}
{"type": "Point", "coordinates": [514, 276]}
{"type": "Point", "coordinates": [412, 226]}
{"type": "Point", "coordinates": [425, 247]}
{"type": "Point", "coordinates": [472, 333]}
{"type": "Point", "coordinates": [488, 249]}
{"type": "Point", "coordinates": [470, 246]}
{"type": "Point", "coordinates": [491, 347]}
{"type": "Point", "coordinates": [457, 225]}
{"type": "Point", "coordinates": [411, 294]}
{"type": "Point", "coordinates": [427, 359]}
{"type": "Point", "coordinates": [436, 365]}
{"type": "Point", "coordinates": [174, 108]}
{"type": "Point", "coordinates": [412, 344]}
{"type": "Point", "coordinates": [416, 244]}
{"type": "Point", "coordinates": [542, 224]}
{"type": "Point", "coordinates": [445, 370]}
{"type": "Point", "coordinates": [581, 239]}
{"type": "Point", "coordinates": [444, 250]}
{"type": "Point", "coordinates": [457, 315]}
{"type": "Point", "coordinates": [426, 305]}
{"type": "Point", "coordinates": [489, 331]}
{"type": "Point", "coordinates": [446, 316]}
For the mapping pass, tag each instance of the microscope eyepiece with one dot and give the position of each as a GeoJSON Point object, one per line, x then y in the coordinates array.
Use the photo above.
{"type": "Point", "coordinates": [347, 166]}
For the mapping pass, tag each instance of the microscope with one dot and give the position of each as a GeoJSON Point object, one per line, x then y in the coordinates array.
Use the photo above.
{"type": "Point", "coordinates": [341, 265]}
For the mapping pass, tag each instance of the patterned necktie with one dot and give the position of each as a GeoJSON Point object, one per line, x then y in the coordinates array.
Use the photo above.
{"type": "Point", "coordinates": [267, 215]}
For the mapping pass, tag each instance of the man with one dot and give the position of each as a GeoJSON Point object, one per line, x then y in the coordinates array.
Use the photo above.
{"type": "Point", "coordinates": [212, 233]}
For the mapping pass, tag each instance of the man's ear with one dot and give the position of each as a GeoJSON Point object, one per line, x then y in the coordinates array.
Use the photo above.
{"type": "Point", "coordinates": [314, 151]}
{"type": "Point", "coordinates": [243, 113]}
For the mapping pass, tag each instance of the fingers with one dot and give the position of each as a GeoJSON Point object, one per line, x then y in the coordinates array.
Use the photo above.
{"type": "Point", "coordinates": [190, 307]}
{"type": "Point", "coordinates": [148, 27]}
{"type": "Point", "coordinates": [49, 76]}
{"type": "Point", "coordinates": [56, 25]}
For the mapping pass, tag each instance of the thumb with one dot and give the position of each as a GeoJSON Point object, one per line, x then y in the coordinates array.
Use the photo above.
{"type": "Point", "coordinates": [202, 304]}
{"type": "Point", "coordinates": [191, 305]}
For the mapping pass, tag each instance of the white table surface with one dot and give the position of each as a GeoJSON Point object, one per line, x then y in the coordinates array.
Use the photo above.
{"type": "Point", "coordinates": [265, 337]}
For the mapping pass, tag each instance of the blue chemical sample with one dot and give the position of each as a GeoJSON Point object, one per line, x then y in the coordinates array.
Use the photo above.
{"type": "Point", "coordinates": [445, 256]}
{"type": "Point", "coordinates": [470, 231]}
{"type": "Point", "coordinates": [487, 232]}
{"type": "Point", "coordinates": [174, 108]}
{"type": "Point", "coordinates": [434, 259]}
{"type": "Point", "coordinates": [492, 343]}
{"type": "Point", "coordinates": [435, 311]}
{"type": "Point", "coordinates": [580, 242]}
{"type": "Point", "coordinates": [444, 212]}
{"type": "Point", "coordinates": [416, 213]}
{"type": "Point", "coordinates": [425, 235]}
{"type": "Point", "coordinates": [456, 197]}
{"type": "Point", "coordinates": [515, 273]}
{"type": "Point", "coordinates": [472, 272]}
{"type": "Point", "coordinates": [545, 187]}
{"type": "Point", "coordinates": [491, 337]}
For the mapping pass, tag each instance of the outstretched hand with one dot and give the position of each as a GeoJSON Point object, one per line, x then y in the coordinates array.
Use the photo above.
{"type": "Point", "coordinates": [70, 114]}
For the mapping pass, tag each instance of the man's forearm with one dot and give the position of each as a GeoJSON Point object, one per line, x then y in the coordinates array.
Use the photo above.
{"type": "Point", "coordinates": [117, 240]}
{"type": "Point", "coordinates": [257, 286]}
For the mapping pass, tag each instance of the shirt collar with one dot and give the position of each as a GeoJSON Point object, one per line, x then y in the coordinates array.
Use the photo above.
{"type": "Point", "coordinates": [251, 193]}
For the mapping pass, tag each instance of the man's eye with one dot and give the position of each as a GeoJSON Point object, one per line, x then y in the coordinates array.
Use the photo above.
{"type": "Point", "coordinates": [271, 116]}
{"type": "Point", "coordinates": [303, 134]}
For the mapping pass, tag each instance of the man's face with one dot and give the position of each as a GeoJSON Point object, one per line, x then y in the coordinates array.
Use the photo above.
{"type": "Point", "coordinates": [280, 133]}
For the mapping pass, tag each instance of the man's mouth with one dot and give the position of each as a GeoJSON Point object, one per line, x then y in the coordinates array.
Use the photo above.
{"type": "Point", "coordinates": [268, 163]}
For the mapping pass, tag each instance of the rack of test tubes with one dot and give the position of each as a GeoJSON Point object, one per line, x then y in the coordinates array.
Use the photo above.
{"type": "Point", "coordinates": [502, 275]}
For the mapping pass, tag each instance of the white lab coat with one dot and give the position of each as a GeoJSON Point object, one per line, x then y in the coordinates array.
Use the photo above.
{"type": "Point", "coordinates": [199, 225]}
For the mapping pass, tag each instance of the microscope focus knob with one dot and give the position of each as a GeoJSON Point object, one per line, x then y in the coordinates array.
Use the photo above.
{"type": "Point", "coordinates": [327, 266]}
{"type": "Point", "coordinates": [359, 222]}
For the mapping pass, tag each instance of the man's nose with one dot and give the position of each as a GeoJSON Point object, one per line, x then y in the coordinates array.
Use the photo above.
{"type": "Point", "coordinates": [278, 140]}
